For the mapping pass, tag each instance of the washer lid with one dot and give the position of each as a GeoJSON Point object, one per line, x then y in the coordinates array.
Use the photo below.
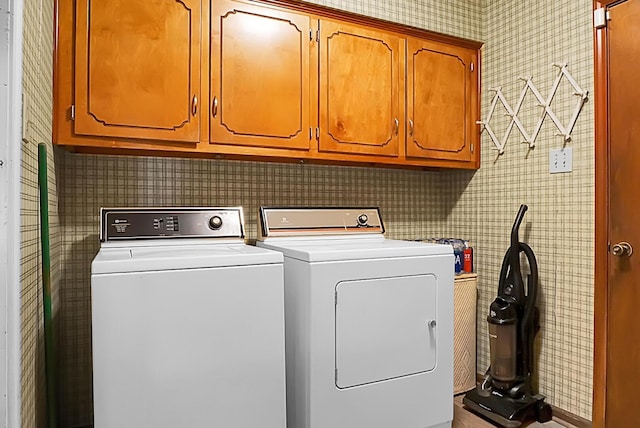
{"type": "Point", "coordinates": [324, 249]}
{"type": "Point", "coordinates": [160, 258]}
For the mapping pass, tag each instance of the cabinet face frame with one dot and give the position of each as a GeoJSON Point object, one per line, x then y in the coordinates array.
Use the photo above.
{"type": "Point", "coordinates": [63, 133]}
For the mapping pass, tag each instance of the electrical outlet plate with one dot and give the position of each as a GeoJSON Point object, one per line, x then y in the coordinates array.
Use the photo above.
{"type": "Point", "coordinates": [560, 160]}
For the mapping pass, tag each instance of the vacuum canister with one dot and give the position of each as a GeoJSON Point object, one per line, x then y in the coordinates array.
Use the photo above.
{"type": "Point", "coordinates": [503, 334]}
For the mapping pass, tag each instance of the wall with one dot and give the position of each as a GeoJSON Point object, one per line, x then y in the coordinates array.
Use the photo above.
{"type": "Point", "coordinates": [461, 18]}
{"type": "Point", "coordinates": [414, 204]}
{"type": "Point", "coordinates": [524, 40]}
{"type": "Point", "coordinates": [520, 40]}
{"type": "Point", "coordinates": [37, 88]}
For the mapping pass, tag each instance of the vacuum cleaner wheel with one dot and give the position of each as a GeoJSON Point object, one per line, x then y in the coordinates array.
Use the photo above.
{"type": "Point", "coordinates": [544, 411]}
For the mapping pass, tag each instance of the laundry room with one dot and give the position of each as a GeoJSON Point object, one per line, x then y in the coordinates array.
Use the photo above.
{"type": "Point", "coordinates": [519, 43]}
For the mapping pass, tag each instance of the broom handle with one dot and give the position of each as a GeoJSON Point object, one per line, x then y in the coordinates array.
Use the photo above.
{"type": "Point", "coordinates": [50, 367]}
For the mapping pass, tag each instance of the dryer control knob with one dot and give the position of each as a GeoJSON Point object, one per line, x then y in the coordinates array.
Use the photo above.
{"type": "Point", "coordinates": [215, 222]}
{"type": "Point", "coordinates": [362, 220]}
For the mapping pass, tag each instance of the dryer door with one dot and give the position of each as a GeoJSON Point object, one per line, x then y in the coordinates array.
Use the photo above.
{"type": "Point", "coordinates": [385, 329]}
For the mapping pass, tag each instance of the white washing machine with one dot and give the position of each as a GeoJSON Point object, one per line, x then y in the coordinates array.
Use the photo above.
{"type": "Point", "coordinates": [187, 322]}
{"type": "Point", "coordinates": [368, 321]}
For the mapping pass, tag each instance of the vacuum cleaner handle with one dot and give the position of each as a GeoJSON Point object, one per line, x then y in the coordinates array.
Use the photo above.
{"type": "Point", "coordinates": [510, 272]}
{"type": "Point", "coordinates": [527, 324]}
{"type": "Point", "coordinates": [516, 225]}
{"type": "Point", "coordinates": [514, 277]}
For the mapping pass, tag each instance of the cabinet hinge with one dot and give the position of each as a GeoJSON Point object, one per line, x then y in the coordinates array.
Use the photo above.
{"type": "Point", "coordinates": [317, 133]}
{"type": "Point", "coordinates": [318, 35]}
{"type": "Point", "coordinates": [472, 66]}
{"type": "Point", "coordinates": [73, 112]}
{"type": "Point", "coordinates": [600, 17]}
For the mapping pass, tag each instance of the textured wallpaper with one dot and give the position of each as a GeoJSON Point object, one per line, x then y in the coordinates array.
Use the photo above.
{"type": "Point", "coordinates": [37, 89]}
{"type": "Point", "coordinates": [461, 18]}
{"type": "Point", "coordinates": [414, 205]}
{"type": "Point", "coordinates": [519, 41]}
{"type": "Point", "coordinates": [524, 40]}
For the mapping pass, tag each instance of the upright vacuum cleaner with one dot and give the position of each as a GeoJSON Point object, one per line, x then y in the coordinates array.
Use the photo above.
{"type": "Point", "coordinates": [506, 394]}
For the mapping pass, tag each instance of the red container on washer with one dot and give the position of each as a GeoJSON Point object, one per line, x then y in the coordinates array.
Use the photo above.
{"type": "Point", "coordinates": [467, 260]}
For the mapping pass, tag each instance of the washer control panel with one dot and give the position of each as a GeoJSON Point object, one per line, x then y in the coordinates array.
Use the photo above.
{"type": "Point", "coordinates": [319, 221]}
{"type": "Point", "coordinates": [150, 223]}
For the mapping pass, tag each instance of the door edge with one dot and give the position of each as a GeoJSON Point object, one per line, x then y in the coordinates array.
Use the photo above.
{"type": "Point", "coordinates": [601, 223]}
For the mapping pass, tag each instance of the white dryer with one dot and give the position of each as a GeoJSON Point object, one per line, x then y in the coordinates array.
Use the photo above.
{"type": "Point", "coordinates": [368, 321]}
{"type": "Point", "coordinates": [187, 322]}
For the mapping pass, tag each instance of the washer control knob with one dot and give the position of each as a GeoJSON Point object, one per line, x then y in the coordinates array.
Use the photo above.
{"type": "Point", "coordinates": [362, 220]}
{"type": "Point", "coordinates": [215, 222]}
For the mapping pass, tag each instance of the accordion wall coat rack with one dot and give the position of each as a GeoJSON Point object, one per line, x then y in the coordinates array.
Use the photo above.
{"type": "Point", "coordinates": [545, 104]}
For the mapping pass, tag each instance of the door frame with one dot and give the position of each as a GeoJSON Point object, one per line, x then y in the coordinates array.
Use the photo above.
{"type": "Point", "coordinates": [11, 23]}
{"type": "Point", "coordinates": [601, 244]}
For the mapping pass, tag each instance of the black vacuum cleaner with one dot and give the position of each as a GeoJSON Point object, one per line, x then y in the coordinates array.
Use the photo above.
{"type": "Point", "coordinates": [506, 394]}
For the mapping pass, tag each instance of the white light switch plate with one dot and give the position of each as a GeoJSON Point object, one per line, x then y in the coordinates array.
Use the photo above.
{"type": "Point", "coordinates": [560, 160]}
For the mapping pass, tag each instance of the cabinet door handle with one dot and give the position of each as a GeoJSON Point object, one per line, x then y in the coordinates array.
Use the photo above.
{"type": "Point", "coordinates": [396, 125]}
{"type": "Point", "coordinates": [194, 105]}
{"type": "Point", "coordinates": [214, 108]}
{"type": "Point", "coordinates": [410, 128]}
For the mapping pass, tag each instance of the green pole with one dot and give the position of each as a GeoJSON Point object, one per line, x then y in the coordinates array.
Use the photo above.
{"type": "Point", "coordinates": [49, 349]}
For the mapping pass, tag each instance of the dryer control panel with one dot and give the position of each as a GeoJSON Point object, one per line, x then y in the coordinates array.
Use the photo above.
{"type": "Point", "coordinates": [319, 221]}
{"type": "Point", "coordinates": [150, 223]}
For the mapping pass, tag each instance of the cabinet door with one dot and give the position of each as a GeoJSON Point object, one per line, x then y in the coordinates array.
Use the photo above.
{"type": "Point", "coordinates": [137, 69]}
{"type": "Point", "coordinates": [260, 88]}
{"type": "Point", "coordinates": [442, 98]}
{"type": "Point", "coordinates": [360, 108]}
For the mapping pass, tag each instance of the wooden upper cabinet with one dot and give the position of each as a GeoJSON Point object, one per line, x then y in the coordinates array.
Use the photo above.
{"type": "Point", "coordinates": [137, 69]}
{"type": "Point", "coordinates": [360, 90]}
{"type": "Point", "coordinates": [442, 101]}
{"type": "Point", "coordinates": [260, 76]}
{"type": "Point", "coordinates": [262, 79]}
